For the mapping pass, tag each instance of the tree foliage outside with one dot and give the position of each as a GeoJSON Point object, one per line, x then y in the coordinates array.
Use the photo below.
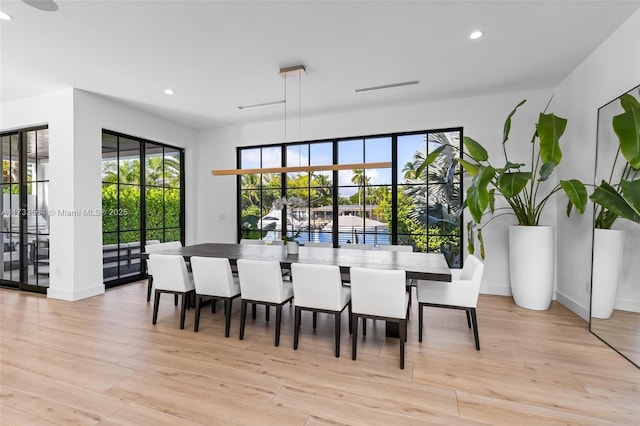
{"type": "Point", "coordinates": [162, 200]}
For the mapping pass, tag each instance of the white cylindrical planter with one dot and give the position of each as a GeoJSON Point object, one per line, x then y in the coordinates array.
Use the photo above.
{"type": "Point", "coordinates": [292, 247]}
{"type": "Point", "coordinates": [607, 261]}
{"type": "Point", "coordinates": [531, 266]}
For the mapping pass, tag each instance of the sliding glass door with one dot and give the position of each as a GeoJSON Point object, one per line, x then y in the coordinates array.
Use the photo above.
{"type": "Point", "coordinates": [25, 213]}
{"type": "Point", "coordinates": [142, 202]}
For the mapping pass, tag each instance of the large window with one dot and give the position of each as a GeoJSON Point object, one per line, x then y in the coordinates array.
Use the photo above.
{"type": "Point", "coordinates": [404, 204]}
{"type": "Point", "coordinates": [142, 201]}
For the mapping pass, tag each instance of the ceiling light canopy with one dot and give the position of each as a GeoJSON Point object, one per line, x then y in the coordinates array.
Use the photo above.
{"type": "Point", "coordinates": [168, 92]}
{"type": "Point", "coordinates": [45, 5]}
{"type": "Point", "coordinates": [475, 35]}
{"type": "Point", "coordinates": [5, 16]}
{"type": "Point", "coordinates": [386, 86]}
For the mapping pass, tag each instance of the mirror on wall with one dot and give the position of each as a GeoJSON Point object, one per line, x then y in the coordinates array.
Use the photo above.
{"type": "Point", "coordinates": [615, 286]}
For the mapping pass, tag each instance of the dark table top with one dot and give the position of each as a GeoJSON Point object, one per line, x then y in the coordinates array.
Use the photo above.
{"type": "Point", "coordinates": [426, 266]}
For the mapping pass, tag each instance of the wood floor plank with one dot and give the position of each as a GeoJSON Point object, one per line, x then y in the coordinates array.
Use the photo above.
{"type": "Point", "coordinates": [101, 361]}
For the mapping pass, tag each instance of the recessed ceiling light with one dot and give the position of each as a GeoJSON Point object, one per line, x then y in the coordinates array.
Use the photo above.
{"type": "Point", "coordinates": [168, 92]}
{"type": "Point", "coordinates": [5, 17]}
{"type": "Point", "coordinates": [475, 35]}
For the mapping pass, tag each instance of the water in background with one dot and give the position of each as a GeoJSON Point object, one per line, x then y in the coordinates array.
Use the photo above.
{"type": "Point", "coordinates": [377, 239]}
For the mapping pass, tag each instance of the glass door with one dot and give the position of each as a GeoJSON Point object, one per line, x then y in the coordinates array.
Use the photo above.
{"type": "Point", "coordinates": [25, 213]}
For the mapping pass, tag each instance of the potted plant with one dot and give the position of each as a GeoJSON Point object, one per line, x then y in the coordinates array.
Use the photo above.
{"type": "Point", "coordinates": [615, 198]}
{"type": "Point", "coordinates": [289, 240]}
{"type": "Point", "coordinates": [524, 189]}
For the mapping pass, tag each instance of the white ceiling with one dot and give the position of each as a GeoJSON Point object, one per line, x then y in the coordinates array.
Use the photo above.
{"type": "Point", "coordinates": [218, 55]}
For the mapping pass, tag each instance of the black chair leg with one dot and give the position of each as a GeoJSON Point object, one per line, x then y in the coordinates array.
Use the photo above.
{"type": "Point", "coordinates": [474, 321]}
{"type": "Point", "coordinates": [196, 321]}
{"type": "Point", "coordinates": [354, 336]}
{"type": "Point", "coordinates": [403, 337]}
{"type": "Point", "coordinates": [315, 320]}
{"type": "Point", "coordinates": [350, 319]}
{"type": "Point", "coordinates": [420, 306]}
{"type": "Point", "coordinates": [267, 309]}
{"type": "Point", "coordinates": [296, 327]}
{"type": "Point", "coordinates": [278, 321]}
{"type": "Point", "coordinates": [243, 317]}
{"type": "Point", "coordinates": [213, 306]}
{"type": "Point", "coordinates": [149, 287]}
{"type": "Point", "coordinates": [227, 316]}
{"type": "Point", "coordinates": [156, 302]}
{"type": "Point", "coordinates": [183, 308]}
{"type": "Point", "coordinates": [253, 310]}
{"type": "Point", "coordinates": [175, 300]}
{"type": "Point", "coordinates": [364, 326]}
{"type": "Point", "coordinates": [337, 315]}
{"type": "Point", "coordinates": [468, 317]}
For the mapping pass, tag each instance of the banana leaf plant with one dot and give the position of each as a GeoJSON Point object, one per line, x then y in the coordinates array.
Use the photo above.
{"type": "Point", "coordinates": [517, 184]}
{"type": "Point", "coordinates": [621, 198]}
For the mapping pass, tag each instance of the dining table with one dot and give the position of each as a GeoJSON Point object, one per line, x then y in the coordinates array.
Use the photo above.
{"type": "Point", "coordinates": [418, 265]}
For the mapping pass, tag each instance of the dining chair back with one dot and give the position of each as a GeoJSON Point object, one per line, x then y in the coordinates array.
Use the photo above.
{"type": "Point", "coordinates": [401, 248]}
{"type": "Point", "coordinates": [379, 294]}
{"type": "Point", "coordinates": [261, 283]}
{"type": "Point", "coordinates": [214, 281]}
{"type": "Point", "coordinates": [318, 288]}
{"type": "Point", "coordinates": [461, 293]}
{"type": "Point", "coordinates": [155, 248]}
{"type": "Point", "coordinates": [170, 276]}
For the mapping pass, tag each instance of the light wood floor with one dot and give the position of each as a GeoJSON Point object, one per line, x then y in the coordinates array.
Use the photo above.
{"type": "Point", "coordinates": [100, 361]}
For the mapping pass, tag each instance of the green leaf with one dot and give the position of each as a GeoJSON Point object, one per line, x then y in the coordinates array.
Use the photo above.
{"type": "Point", "coordinates": [576, 193]}
{"type": "Point", "coordinates": [476, 151]}
{"type": "Point", "coordinates": [510, 184]}
{"type": "Point", "coordinates": [481, 243]}
{"type": "Point", "coordinates": [628, 102]}
{"type": "Point", "coordinates": [507, 123]}
{"type": "Point", "coordinates": [511, 165]}
{"type": "Point", "coordinates": [470, 168]}
{"type": "Point", "coordinates": [550, 129]}
{"type": "Point", "coordinates": [627, 127]}
{"type": "Point", "coordinates": [606, 196]}
{"type": "Point", "coordinates": [546, 170]}
{"type": "Point", "coordinates": [470, 238]}
{"type": "Point", "coordinates": [430, 159]}
{"type": "Point", "coordinates": [492, 200]}
{"type": "Point", "coordinates": [631, 194]}
{"type": "Point", "coordinates": [477, 194]}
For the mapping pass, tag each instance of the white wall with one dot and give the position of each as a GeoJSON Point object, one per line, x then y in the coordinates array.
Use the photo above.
{"type": "Point", "coordinates": [611, 70]}
{"type": "Point", "coordinates": [481, 117]}
{"type": "Point", "coordinates": [76, 119]}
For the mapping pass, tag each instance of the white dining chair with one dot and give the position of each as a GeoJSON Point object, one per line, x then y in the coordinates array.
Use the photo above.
{"type": "Point", "coordinates": [401, 248]}
{"type": "Point", "coordinates": [214, 281]}
{"type": "Point", "coordinates": [155, 247]}
{"type": "Point", "coordinates": [461, 293]}
{"type": "Point", "coordinates": [318, 288]}
{"type": "Point", "coordinates": [170, 276]}
{"type": "Point", "coordinates": [379, 294]}
{"type": "Point", "coordinates": [261, 283]}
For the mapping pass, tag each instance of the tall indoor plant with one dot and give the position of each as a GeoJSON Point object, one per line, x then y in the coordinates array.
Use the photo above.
{"type": "Point", "coordinates": [614, 198]}
{"type": "Point", "coordinates": [531, 246]}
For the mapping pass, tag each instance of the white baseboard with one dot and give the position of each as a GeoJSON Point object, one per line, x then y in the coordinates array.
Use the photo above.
{"type": "Point", "coordinates": [495, 290]}
{"type": "Point", "coordinates": [627, 305]}
{"type": "Point", "coordinates": [72, 296]}
{"type": "Point", "coordinates": [575, 307]}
